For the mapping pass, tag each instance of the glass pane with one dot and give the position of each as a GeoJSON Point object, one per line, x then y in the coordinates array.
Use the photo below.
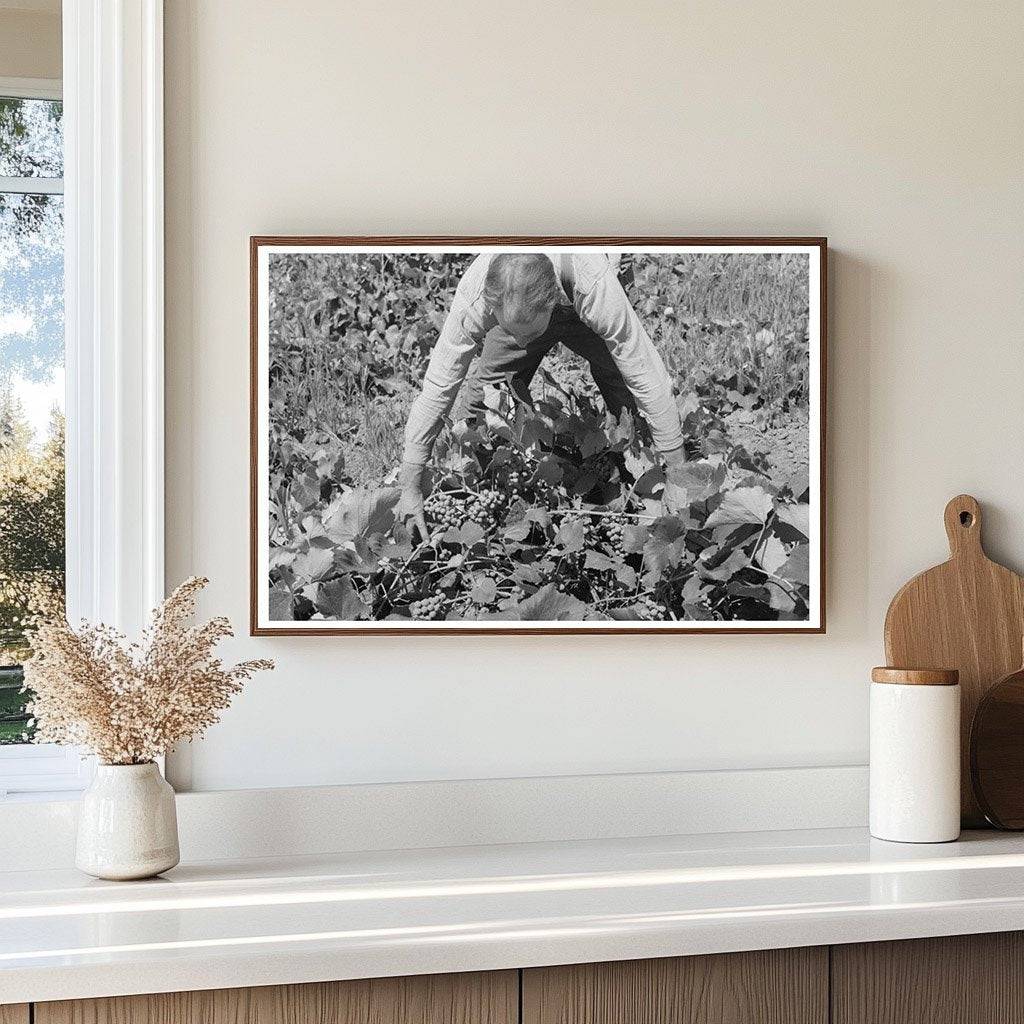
{"type": "Point", "coordinates": [31, 138]}
{"type": "Point", "coordinates": [31, 434]}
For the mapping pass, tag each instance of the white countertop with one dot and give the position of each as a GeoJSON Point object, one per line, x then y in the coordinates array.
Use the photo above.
{"type": "Point", "coordinates": [262, 922]}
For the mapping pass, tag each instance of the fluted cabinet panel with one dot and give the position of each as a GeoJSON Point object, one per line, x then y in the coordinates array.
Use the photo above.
{"type": "Point", "coordinates": [490, 998]}
{"type": "Point", "coordinates": [777, 986]}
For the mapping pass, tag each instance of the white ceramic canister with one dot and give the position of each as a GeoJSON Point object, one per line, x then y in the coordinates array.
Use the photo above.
{"type": "Point", "coordinates": [127, 825]}
{"type": "Point", "coordinates": [915, 755]}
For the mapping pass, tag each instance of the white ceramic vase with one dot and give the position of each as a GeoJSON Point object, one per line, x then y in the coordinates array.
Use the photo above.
{"type": "Point", "coordinates": [127, 825]}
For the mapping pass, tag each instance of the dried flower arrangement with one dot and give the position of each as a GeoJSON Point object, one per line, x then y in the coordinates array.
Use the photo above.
{"type": "Point", "coordinates": [129, 703]}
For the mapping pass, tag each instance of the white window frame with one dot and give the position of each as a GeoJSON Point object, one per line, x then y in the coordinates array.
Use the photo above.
{"type": "Point", "coordinates": [41, 767]}
{"type": "Point", "coordinates": [114, 324]}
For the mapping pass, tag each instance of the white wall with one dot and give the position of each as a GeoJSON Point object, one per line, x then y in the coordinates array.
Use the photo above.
{"type": "Point", "coordinates": [895, 129]}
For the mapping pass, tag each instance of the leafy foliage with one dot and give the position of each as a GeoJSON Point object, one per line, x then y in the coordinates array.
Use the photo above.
{"type": "Point", "coordinates": [31, 550]}
{"type": "Point", "coordinates": [543, 512]}
{"type": "Point", "coordinates": [550, 513]}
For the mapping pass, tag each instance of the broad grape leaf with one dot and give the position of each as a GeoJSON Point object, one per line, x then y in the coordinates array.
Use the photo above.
{"type": "Point", "coordinates": [701, 478]}
{"type": "Point", "coordinates": [281, 558]}
{"type": "Point", "coordinates": [484, 590]}
{"type": "Point", "coordinates": [666, 546]}
{"type": "Point", "coordinates": [548, 604]}
{"type": "Point", "coordinates": [519, 531]}
{"type": "Point", "coordinates": [357, 557]}
{"type": "Point", "coordinates": [361, 512]}
{"type": "Point", "coordinates": [338, 600]}
{"type": "Point", "coordinates": [594, 441]}
{"type": "Point", "coordinates": [596, 560]}
{"type": "Point", "coordinates": [314, 564]}
{"type": "Point", "coordinates": [571, 536]}
{"type": "Point", "coordinates": [536, 431]}
{"type": "Point", "coordinates": [714, 567]}
{"type": "Point", "coordinates": [634, 537]}
{"type": "Point", "coordinates": [399, 547]}
{"type": "Point", "coordinates": [693, 589]}
{"type": "Point", "coordinates": [780, 600]}
{"type": "Point", "coordinates": [797, 518]}
{"type": "Point", "coordinates": [797, 568]}
{"type": "Point", "coordinates": [527, 574]}
{"type": "Point", "coordinates": [549, 470]}
{"type": "Point", "coordinates": [668, 528]}
{"type": "Point", "coordinates": [773, 554]}
{"type": "Point", "coordinates": [280, 605]}
{"type": "Point", "coordinates": [540, 516]}
{"type": "Point", "coordinates": [305, 490]}
{"type": "Point", "coordinates": [626, 575]}
{"type": "Point", "coordinates": [471, 533]}
{"type": "Point", "coordinates": [742, 505]}
{"type": "Point", "coordinates": [639, 463]}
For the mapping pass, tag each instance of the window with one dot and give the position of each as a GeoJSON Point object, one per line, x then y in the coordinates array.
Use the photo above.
{"type": "Point", "coordinates": [102, 191]}
{"type": "Point", "coordinates": [32, 513]}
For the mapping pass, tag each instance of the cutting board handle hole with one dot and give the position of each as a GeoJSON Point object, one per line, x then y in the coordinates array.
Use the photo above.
{"type": "Point", "coordinates": [962, 517]}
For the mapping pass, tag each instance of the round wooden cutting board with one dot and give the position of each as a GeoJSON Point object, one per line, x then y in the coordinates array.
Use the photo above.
{"type": "Point", "coordinates": [997, 752]}
{"type": "Point", "coordinates": [967, 614]}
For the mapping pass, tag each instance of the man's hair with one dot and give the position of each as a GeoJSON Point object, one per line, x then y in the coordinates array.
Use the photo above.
{"type": "Point", "coordinates": [518, 286]}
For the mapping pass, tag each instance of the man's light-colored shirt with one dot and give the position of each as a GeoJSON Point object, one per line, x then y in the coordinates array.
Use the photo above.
{"type": "Point", "coordinates": [592, 282]}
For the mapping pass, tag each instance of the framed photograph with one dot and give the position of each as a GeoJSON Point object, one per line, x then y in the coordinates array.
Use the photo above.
{"type": "Point", "coordinates": [537, 435]}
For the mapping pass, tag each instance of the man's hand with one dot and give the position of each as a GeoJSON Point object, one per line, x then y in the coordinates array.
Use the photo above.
{"type": "Point", "coordinates": [674, 498]}
{"type": "Point", "coordinates": [410, 505]}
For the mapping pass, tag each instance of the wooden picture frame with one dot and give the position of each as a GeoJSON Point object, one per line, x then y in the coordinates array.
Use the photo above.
{"type": "Point", "coordinates": [263, 591]}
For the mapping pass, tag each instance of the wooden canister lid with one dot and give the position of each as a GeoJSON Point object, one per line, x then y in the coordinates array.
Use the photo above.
{"type": "Point", "coordinates": [916, 676]}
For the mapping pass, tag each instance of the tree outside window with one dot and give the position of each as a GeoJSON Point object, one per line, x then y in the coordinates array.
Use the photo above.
{"type": "Point", "coordinates": [31, 387]}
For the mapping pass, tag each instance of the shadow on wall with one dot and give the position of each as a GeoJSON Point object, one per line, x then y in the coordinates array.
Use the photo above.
{"type": "Point", "coordinates": [854, 287]}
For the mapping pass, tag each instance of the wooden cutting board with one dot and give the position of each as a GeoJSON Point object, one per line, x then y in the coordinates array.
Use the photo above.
{"type": "Point", "coordinates": [997, 752]}
{"type": "Point", "coordinates": [967, 614]}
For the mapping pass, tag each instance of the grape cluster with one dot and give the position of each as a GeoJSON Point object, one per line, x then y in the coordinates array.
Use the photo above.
{"type": "Point", "coordinates": [515, 481]}
{"type": "Point", "coordinates": [428, 607]}
{"type": "Point", "coordinates": [445, 508]}
{"type": "Point", "coordinates": [649, 609]}
{"type": "Point", "coordinates": [614, 530]}
{"type": "Point", "coordinates": [513, 476]}
{"type": "Point", "coordinates": [484, 508]}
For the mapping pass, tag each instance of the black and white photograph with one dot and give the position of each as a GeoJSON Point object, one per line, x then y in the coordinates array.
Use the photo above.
{"type": "Point", "coordinates": [469, 435]}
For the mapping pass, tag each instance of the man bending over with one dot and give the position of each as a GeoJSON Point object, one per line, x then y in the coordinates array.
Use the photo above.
{"type": "Point", "coordinates": [536, 302]}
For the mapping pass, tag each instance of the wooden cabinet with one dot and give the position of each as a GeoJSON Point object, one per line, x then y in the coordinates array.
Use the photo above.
{"type": "Point", "coordinates": [971, 979]}
{"type": "Point", "coordinates": [778, 986]}
{"type": "Point", "coordinates": [963, 979]}
{"type": "Point", "coordinates": [491, 998]}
